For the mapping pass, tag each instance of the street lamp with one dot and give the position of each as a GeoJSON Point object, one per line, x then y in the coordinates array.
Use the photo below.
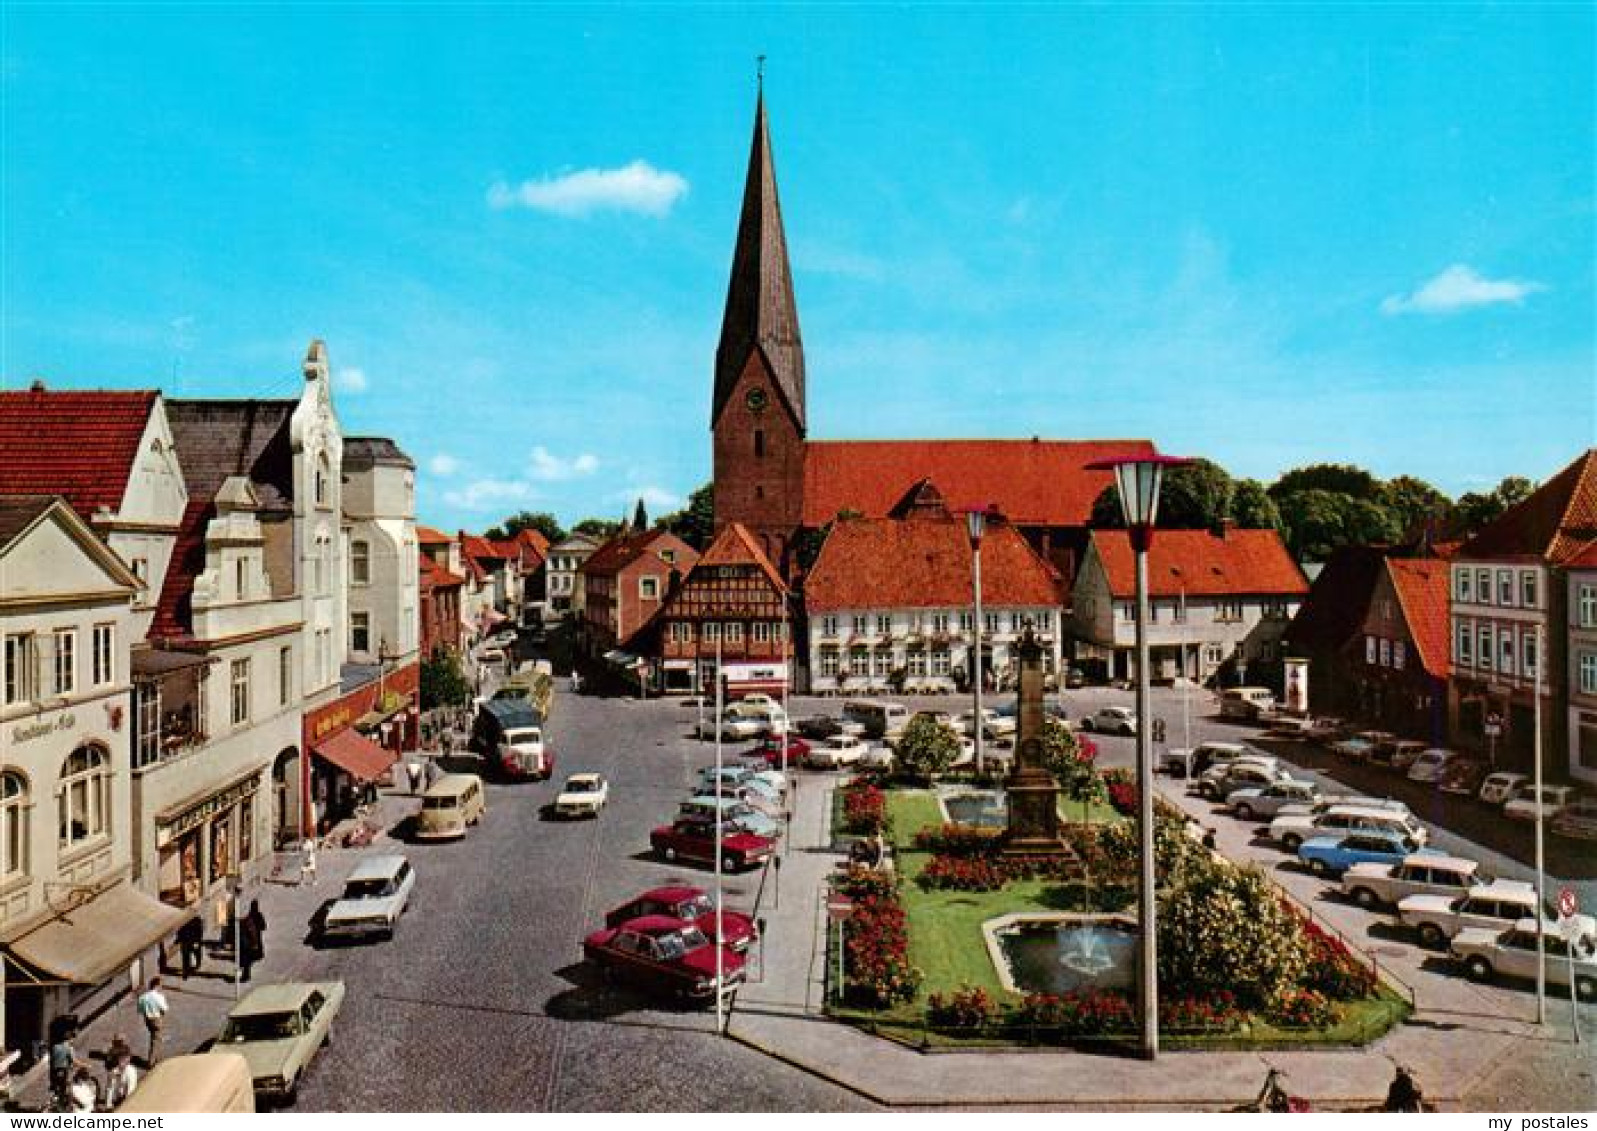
{"type": "Point", "coordinates": [1137, 480]}
{"type": "Point", "coordinates": [976, 525]}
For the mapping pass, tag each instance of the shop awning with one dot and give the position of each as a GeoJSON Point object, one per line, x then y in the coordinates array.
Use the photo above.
{"type": "Point", "coordinates": [353, 752]}
{"type": "Point", "coordinates": [493, 617]}
{"type": "Point", "coordinates": [96, 939]}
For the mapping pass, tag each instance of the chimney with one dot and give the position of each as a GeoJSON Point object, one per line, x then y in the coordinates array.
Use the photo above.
{"type": "Point", "coordinates": [37, 385]}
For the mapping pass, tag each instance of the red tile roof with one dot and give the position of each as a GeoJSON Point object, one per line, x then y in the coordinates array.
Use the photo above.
{"type": "Point", "coordinates": [624, 549]}
{"type": "Point", "coordinates": [174, 611]}
{"type": "Point", "coordinates": [75, 443]}
{"type": "Point", "coordinates": [734, 545]}
{"type": "Point", "coordinates": [428, 536]}
{"type": "Point", "coordinates": [922, 563]}
{"type": "Point", "coordinates": [480, 549]}
{"type": "Point", "coordinates": [1201, 563]}
{"type": "Point", "coordinates": [1034, 482]}
{"type": "Point", "coordinates": [1421, 585]}
{"type": "Point", "coordinates": [435, 576]}
{"type": "Point", "coordinates": [1585, 558]}
{"type": "Point", "coordinates": [1558, 519]}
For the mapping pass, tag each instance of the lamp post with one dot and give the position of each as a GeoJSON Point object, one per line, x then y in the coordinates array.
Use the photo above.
{"type": "Point", "coordinates": [1137, 481]}
{"type": "Point", "coordinates": [976, 526]}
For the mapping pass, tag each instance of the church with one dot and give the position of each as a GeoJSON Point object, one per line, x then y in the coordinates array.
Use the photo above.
{"type": "Point", "coordinates": [776, 480]}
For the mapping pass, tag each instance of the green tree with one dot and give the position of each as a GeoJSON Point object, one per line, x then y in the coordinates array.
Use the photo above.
{"type": "Point", "coordinates": [640, 517]}
{"type": "Point", "coordinates": [694, 523]}
{"type": "Point", "coordinates": [600, 528]}
{"type": "Point", "coordinates": [1195, 496]}
{"type": "Point", "coordinates": [1252, 508]}
{"type": "Point", "coordinates": [443, 684]}
{"type": "Point", "coordinates": [927, 747]}
{"type": "Point", "coordinates": [1412, 502]}
{"type": "Point", "coordinates": [1337, 478]}
{"type": "Point", "coordinates": [1318, 522]}
{"type": "Point", "coordinates": [541, 521]}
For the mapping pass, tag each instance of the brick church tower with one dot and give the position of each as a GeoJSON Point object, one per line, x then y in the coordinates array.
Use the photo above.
{"type": "Point", "coordinates": [757, 414]}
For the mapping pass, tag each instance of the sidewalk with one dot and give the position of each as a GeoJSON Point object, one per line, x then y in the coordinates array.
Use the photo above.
{"type": "Point", "coordinates": [1451, 1051]}
{"type": "Point", "coordinates": [200, 1004]}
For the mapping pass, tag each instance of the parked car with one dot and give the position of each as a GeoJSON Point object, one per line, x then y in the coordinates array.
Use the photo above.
{"type": "Point", "coordinates": [1400, 755]}
{"type": "Point", "coordinates": [1333, 855]}
{"type": "Point", "coordinates": [375, 896]}
{"type": "Point", "coordinates": [997, 727]}
{"type": "Point", "coordinates": [768, 782]}
{"type": "Point", "coordinates": [1499, 904]}
{"type": "Point", "coordinates": [757, 699]}
{"type": "Point", "coordinates": [1246, 704]}
{"type": "Point", "coordinates": [735, 813]}
{"type": "Point", "coordinates": [1219, 782]}
{"type": "Point", "coordinates": [1330, 801]}
{"type": "Point", "coordinates": [693, 838]}
{"type": "Point", "coordinates": [1186, 763]}
{"type": "Point", "coordinates": [691, 905]}
{"type": "Point", "coordinates": [1111, 720]}
{"type": "Point", "coordinates": [1500, 787]}
{"type": "Point", "coordinates": [836, 752]}
{"type": "Point", "coordinates": [279, 1029]}
{"type": "Point", "coordinates": [733, 727]}
{"type": "Point", "coordinates": [825, 726]}
{"type": "Point", "coordinates": [770, 749]}
{"type": "Point", "coordinates": [1075, 678]}
{"type": "Point", "coordinates": [1525, 805]}
{"type": "Point", "coordinates": [882, 758]}
{"type": "Point", "coordinates": [669, 955]}
{"type": "Point", "coordinates": [1487, 954]}
{"type": "Point", "coordinates": [1375, 885]}
{"type": "Point", "coordinates": [1325, 729]}
{"type": "Point", "coordinates": [1353, 749]}
{"type": "Point", "coordinates": [1461, 777]}
{"type": "Point", "coordinates": [753, 792]}
{"type": "Point", "coordinates": [583, 795]}
{"type": "Point", "coordinates": [1265, 801]}
{"type": "Point", "coordinates": [1429, 764]}
{"type": "Point", "coordinates": [1291, 829]}
{"type": "Point", "coordinates": [1577, 821]}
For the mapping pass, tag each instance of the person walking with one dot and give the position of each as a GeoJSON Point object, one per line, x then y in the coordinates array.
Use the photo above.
{"type": "Point", "coordinates": [63, 1063]}
{"type": "Point", "coordinates": [191, 945]}
{"type": "Point", "coordinates": [251, 941]}
{"type": "Point", "coordinates": [120, 1075]}
{"type": "Point", "coordinates": [152, 1006]}
{"type": "Point", "coordinates": [307, 862]}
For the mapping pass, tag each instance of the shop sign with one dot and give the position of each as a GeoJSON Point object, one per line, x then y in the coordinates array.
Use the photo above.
{"type": "Point", "coordinates": [205, 810]}
{"type": "Point", "coordinates": [27, 732]}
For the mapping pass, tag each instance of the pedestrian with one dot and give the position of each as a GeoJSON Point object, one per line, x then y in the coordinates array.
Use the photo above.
{"type": "Point", "coordinates": [191, 944]}
{"type": "Point", "coordinates": [63, 1063]}
{"type": "Point", "coordinates": [307, 862]}
{"type": "Point", "coordinates": [120, 1076]}
{"type": "Point", "coordinates": [152, 1007]}
{"type": "Point", "coordinates": [251, 940]}
{"type": "Point", "coordinates": [413, 773]}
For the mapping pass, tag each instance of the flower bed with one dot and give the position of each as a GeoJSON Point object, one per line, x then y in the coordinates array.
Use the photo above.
{"type": "Point", "coordinates": [876, 942]}
{"type": "Point", "coordinates": [963, 873]}
{"type": "Point", "coordinates": [864, 809]}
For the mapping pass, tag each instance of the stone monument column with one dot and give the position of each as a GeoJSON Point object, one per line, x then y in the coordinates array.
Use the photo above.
{"type": "Point", "coordinates": [1033, 792]}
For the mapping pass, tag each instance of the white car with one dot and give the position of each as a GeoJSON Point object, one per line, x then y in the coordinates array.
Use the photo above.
{"type": "Point", "coordinates": [1488, 953]}
{"type": "Point", "coordinates": [733, 728]}
{"type": "Point", "coordinates": [1219, 782]}
{"type": "Point", "coordinates": [882, 758]}
{"type": "Point", "coordinates": [583, 795]}
{"type": "Point", "coordinates": [1499, 788]}
{"type": "Point", "coordinates": [1428, 766]}
{"type": "Point", "coordinates": [1525, 806]}
{"type": "Point", "coordinates": [1268, 800]}
{"type": "Point", "coordinates": [836, 752]}
{"type": "Point", "coordinates": [1499, 904]}
{"type": "Point", "coordinates": [1372, 885]}
{"type": "Point", "coordinates": [375, 896]}
{"type": "Point", "coordinates": [758, 699]}
{"type": "Point", "coordinates": [994, 725]}
{"type": "Point", "coordinates": [1111, 720]}
{"type": "Point", "coordinates": [1290, 829]}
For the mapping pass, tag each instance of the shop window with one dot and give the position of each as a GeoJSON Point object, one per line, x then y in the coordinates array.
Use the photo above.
{"type": "Point", "coordinates": [13, 825]}
{"type": "Point", "coordinates": [84, 800]}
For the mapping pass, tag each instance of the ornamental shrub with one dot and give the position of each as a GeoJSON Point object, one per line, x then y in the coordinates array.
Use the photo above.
{"type": "Point", "coordinates": [864, 810]}
{"type": "Point", "coordinates": [1081, 1013]}
{"type": "Point", "coordinates": [1334, 970]}
{"type": "Point", "coordinates": [1301, 1009]}
{"type": "Point", "coordinates": [1216, 1012]}
{"type": "Point", "coordinates": [967, 1009]}
{"type": "Point", "coordinates": [958, 840]}
{"type": "Point", "coordinates": [876, 953]}
{"type": "Point", "coordinates": [962, 873]}
{"type": "Point", "coordinates": [859, 883]}
{"type": "Point", "coordinates": [927, 747]}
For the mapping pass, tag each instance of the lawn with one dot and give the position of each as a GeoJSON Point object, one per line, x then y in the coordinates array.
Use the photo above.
{"type": "Point", "coordinates": [946, 942]}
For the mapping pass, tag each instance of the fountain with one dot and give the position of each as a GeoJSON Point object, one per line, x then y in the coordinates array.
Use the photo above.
{"type": "Point", "coordinates": [1064, 952]}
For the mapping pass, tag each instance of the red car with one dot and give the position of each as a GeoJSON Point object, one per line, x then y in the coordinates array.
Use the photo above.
{"type": "Point", "coordinates": [691, 905]}
{"type": "Point", "coordinates": [692, 839]}
{"type": "Point", "coordinates": [770, 749]}
{"type": "Point", "coordinates": [662, 953]}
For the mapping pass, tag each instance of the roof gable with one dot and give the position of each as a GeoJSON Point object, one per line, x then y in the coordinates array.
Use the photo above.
{"type": "Point", "coordinates": [1557, 520]}
{"type": "Point", "coordinates": [626, 548]}
{"type": "Point", "coordinates": [1421, 586]}
{"type": "Point", "coordinates": [1201, 563]}
{"type": "Point", "coordinates": [1033, 482]}
{"type": "Point", "coordinates": [47, 550]}
{"type": "Point", "coordinates": [734, 545]}
{"type": "Point", "coordinates": [79, 444]}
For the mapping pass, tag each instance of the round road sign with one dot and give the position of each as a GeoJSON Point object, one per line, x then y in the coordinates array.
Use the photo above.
{"type": "Point", "coordinates": [1568, 903]}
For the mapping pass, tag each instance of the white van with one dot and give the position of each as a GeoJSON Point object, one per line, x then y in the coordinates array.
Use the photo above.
{"type": "Point", "coordinates": [1246, 703]}
{"type": "Point", "coordinates": [454, 802]}
{"type": "Point", "coordinates": [879, 718]}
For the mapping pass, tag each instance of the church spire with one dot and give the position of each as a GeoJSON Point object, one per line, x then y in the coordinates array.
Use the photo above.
{"type": "Point", "coordinates": [760, 311]}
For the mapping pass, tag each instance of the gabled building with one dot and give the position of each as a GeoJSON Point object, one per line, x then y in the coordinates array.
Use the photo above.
{"type": "Point", "coordinates": [488, 588]}
{"type": "Point", "coordinates": [1509, 587]}
{"type": "Point", "coordinates": [890, 602]}
{"type": "Point", "coordinates": [1400, 660]}
{"type": "Point", "coordinates": [1215, 598]}
{"type": "Point", "coordinates": [565, 564]}
{"type": "Point", "coordinates": [1581, 673]}
{"type": "Point", "coordinates": [1328, 628]}
{"type": "Point", "coordinates": [625, 583]}
{"type": "Point", "coordinates": [440, 608]}
{"type": "Point", "coordinates": [731, 607]}
{"type": "Point", "coordinates": [380, 528]}
{"type": "Point", "coordinates": [73, 923]}
{"type": "Point", "coordinates": [526, 557]}
{"type": "Point", "coordinates": [777, 481]}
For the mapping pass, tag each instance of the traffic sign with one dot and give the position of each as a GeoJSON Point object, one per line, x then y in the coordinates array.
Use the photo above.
{"type": "Point", "coordinates": [839, 907]}
{"type": "Point", "coordinates": [1568, 903]}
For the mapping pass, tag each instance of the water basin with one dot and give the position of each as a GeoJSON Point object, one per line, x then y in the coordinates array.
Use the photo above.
{"type": "Point", "coordinates": [1059, 954]}
{"type": "Point", "coordinates": [984, 808]}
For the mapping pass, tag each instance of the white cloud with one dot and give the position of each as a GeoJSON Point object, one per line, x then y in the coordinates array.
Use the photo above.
{"type": "Point", "coordinates": [350, 380]}
{"type": "Point", "coordinates": [481, 494]}
{"type": "Point", "coordinates": [546, 467]}
{"type": "Point", "coordinates": [825, 259]}
{"type": "Point", "coordinates": [1460, 287]}
{"type": "Point", "coordinates": [655, 498]}
{"type": "Point", "coordinates": [443, 464]}
{"type": "Point", "coordinates": [638, 187]}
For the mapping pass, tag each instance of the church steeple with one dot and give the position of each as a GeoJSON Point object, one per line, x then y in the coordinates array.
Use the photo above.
{"type": "Point", "coordinates": [760, 311]}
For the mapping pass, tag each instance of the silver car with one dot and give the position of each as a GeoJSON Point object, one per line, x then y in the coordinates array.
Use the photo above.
{"type": "Point", "coordinates": [1266, 801]}
{"type": "Point", "coordinates": [375, 896]}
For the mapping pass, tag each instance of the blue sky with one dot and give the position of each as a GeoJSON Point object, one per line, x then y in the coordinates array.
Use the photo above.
{"type": "Point", "coordinates": [1270, 236]}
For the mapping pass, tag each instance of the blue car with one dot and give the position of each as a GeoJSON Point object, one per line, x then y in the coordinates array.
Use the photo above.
{"type": "Point", "coordinates": [1333, 855]}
